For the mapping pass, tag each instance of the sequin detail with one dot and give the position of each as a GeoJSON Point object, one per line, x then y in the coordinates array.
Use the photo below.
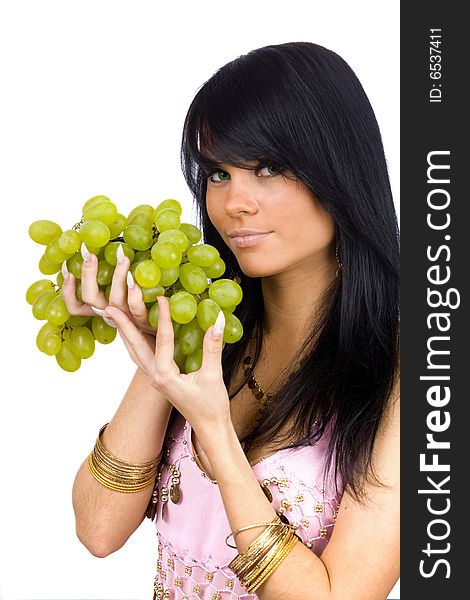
{"type": "Point", "coordinates": [192, 556]}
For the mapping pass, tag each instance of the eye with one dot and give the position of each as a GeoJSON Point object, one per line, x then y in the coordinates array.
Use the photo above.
{"type": "Point", "coordinates": [218, 176]}
{"type": "Point", "coordinates": [269, 171]}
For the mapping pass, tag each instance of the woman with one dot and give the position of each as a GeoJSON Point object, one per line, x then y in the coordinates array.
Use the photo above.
{"type": "Point", "coordinates": [289, 438]}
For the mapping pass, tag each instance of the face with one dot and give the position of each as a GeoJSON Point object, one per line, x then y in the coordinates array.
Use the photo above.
{"type": "Point", "coordinates": [270, 221]}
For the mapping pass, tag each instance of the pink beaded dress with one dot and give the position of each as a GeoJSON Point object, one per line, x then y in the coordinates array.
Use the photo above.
{"type": "Point", "coordinates": [192, 526]}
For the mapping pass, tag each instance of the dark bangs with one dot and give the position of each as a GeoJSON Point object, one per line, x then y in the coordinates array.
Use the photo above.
{"type": "Point", "coordinates": [238, 117]}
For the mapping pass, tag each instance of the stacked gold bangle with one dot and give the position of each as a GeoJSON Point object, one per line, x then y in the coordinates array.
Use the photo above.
{"type": "Point", "coordinates": [264, 555]}
{"type": "Point", "coordinates": [119, 475]}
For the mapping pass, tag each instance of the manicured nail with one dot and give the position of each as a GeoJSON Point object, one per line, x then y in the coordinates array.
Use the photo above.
{"type": "Point", "coordinates": [130, 280]}
{"type": "Point", "coordinates": [85, 252]}
{"type": "Point", "coordinates": [219, 325]}
{"type": "Point", "coordinates": [99, 311]}
{"type": "Point", "coordinates": [65, 271]}
{"type": "Point", "coordinates": [120, 254]}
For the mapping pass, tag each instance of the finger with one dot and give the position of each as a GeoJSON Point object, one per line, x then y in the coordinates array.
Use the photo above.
{"type": "Point", "coordinates": [165, 340]}
{"type": "Point", "coordinates": [91, 293]}
{"type": "Point", "coordinates": [68, 291]}
{"type": "Point", "coordinates": [212, 346]}
{"type": "Point", "coordinates": [137, 306]}
{"type": "Point", "coordinates": [132, 354]}
{"type": "Point", "coordinates": [118, 293]}
{"type": "Point", "coordinates": [133, 337]}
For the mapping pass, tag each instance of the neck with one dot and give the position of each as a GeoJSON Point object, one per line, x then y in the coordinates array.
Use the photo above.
{"type": "Point", "coordinates": [292, 300]}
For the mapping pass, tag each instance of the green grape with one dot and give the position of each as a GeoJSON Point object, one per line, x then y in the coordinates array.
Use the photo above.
{"type": "Point", "coordinates": [203, 255]}
{"type": "Point", "coordinates": [176, 329]}
{"type": "Point", "coordinates": [54, 254]}
{"type": "Point", "coordinates": [98, 252]}
{"type": "Point", "coordinates": [190, 337]}
{"type": "Point", "coordinates": [152, 315]}
{"type": "Point", "coordinates": [192, 232]}
{"type": "Point", "coordinates": [77, 320]}
{"type": "Point", "coordinates": [140, 219]}
{"type": "Point", "coordinates": [36, 288]}
{"type": "Point", "coordinates": [141, 255]}
{"type": "Point", "coordinates": [167, 219]}
{"type": "Point", "coordinates": [132, 269]}
{"type": "Point", "coordinates": [46, 330]}
{"type": "Point", "coordinates": [169, 276]}
{"type": "Point", "coordinates": [51, 344]}
{"type": "Point", "coordinates": [83, 342]}
{"type": "Point", "coordinates": [178, 356]}
{"type": "Point", "coordinates": [167, 256]}
{"type": "Point", "coordinates": [101, 211]}
{"type": "Point", "coordinates": [94, 233]}
{"type": "Point", "coordinates": [176, 237]}
{"type": "Point", "coordinates": [74, 265]}
{"type": "Point", "coordinates": [92, 201]}
{"type": "Point", "coordinates": [193, 361]}
{"type": "Point", "coordinates": [233, 330]}
{"type": "Point", "coordinates": [66, 358]}
{"type": "Point", "coordinates": [48, 268]}
{"type": "Point", "coordinates": [105, 273]}
{"type": "Point", "coordinates": [69, 241]}
{"type": "Point", "coordinates": [44, 232]}
{"type": "Point", "coordinates": [111, 249]}
{"type": "Point", "coordinates": [150, 294]}
{"type": "Point", "coordinates": [137, 237]}
{"type": "Point", "coordinates": [107, 291]}
{"type": "Point", "coordinates": [56, 311]}
{"type": "Point", "coordinates": [59, 279]}
{"type": "Point", "coordinates": [142, 208]}
{"type": "Point", "coordinates": [183, 307]}
{"type": "Point", "coordinates": [104, 333]}
{"type": "Point", "coordinates": [207, 311]}
{"type": "Point", "coordinates": [169, 203]}
{"type": "Point", "coordinates": [216, 270]}
{"type": "Point", "coordinates": [42, 302]}
{"type": "Point", "coordinates": [117, 226]}
{"type": "Point", "coordinates": [193, 278]}
{"type": "Point", "coordinates": [78, 290]}
{"type": "Point", "coordinates": [147, 274]}
{"type": "Point", "coordinates": [225, 292]}
{"type": "Point", "coordinates": [228, 310]}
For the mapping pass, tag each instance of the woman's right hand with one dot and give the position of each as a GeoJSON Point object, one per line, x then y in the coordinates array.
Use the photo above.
{"type": "Point", "coordinates": [125, 294]}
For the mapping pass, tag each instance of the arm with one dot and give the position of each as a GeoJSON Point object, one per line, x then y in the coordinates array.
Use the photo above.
{"type": "Point", "coordinates": [105, 519]}
{"type": "Point", "coordinates": [361, 559]}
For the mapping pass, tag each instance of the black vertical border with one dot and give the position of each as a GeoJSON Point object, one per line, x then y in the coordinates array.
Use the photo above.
{"type": "Point", "coordinates": [426, 127]}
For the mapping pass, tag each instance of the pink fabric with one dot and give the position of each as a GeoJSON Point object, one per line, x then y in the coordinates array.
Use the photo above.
{"type": "Point", "coordinates": [192, 555]}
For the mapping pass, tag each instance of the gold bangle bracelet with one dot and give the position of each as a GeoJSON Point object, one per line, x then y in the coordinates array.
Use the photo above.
{"type": "Point", "coordinates": [119, 475]}
{"type": "Point", "coordinates": [273, 566]}
{"type": "Point", "coordinates": [257, 567]}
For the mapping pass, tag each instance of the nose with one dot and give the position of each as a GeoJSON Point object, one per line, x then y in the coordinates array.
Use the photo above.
{"type": "Point", "coordinates": [240, 194]}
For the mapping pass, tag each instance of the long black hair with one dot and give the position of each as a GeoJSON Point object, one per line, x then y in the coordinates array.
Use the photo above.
{"type": "Point", "coordinates": [301, 107]}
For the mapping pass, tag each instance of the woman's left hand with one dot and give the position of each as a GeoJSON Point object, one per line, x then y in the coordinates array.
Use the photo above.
{"type": "Point", "coordinates": [201, 396]}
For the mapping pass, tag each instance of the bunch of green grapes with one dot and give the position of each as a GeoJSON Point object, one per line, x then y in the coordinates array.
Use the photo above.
{"type": "Point", "coordinates": [166, 258]}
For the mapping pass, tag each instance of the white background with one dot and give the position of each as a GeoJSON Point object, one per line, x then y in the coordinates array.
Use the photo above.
{"type": "Point", "coordinates": [94, 94]}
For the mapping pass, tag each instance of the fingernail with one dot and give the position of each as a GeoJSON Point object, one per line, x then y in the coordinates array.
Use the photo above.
{"type": "Point", "coordinates": [99, 311]}
{"type": "Point", "coordinates": [120, 254]}
{"type": "Point", "coordinates": [65, 271]}
{"type": "Point", "coordinates": [219, 325]}
{"type": "Point", "coordinates": [85, 252]}
{"type": "Point", "coordinates": [130, 280]}
{"type": "Point", "coordinates": [110, 322]}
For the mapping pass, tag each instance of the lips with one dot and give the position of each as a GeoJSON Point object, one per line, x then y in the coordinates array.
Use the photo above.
{"type": "Point", "coordinates": [246, 239]}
